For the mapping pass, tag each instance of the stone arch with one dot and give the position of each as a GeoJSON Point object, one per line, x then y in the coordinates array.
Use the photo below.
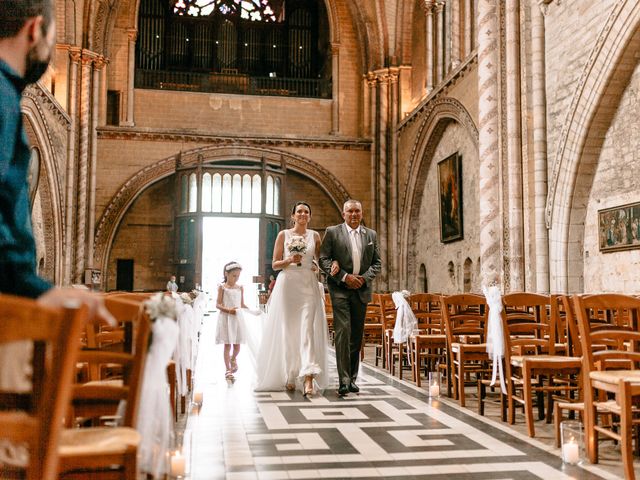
{"type": "Point", "coordinates": [583, 132]}
{"type": "Point", "coordinates": [437, 116]}
{"type": "Point", "coordinates": [134, 186]}
{"type": "Point", "coordinates": [48, 185]}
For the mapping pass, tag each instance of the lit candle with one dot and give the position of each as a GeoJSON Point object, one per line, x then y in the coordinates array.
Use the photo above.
{"type": "Point", "coordinates": [434, 390]}
{"type": "Point", "coordinates": [197, 398]}
{"type": "Point", "coordinates": [571, 452]}
{"type": "Point", "coordinates": [177, 465]}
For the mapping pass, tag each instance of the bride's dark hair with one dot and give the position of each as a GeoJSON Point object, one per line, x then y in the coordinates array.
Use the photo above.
{"type": "Point", "coordinates": [293, 210]}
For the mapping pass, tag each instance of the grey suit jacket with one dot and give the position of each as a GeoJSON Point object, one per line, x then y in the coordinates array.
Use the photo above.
{"type": "Point", "coordinates": [337, 246]}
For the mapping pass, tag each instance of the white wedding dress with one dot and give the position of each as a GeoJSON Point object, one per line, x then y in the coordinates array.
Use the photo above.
{"type": "Point", "coordinates": [294, 339]}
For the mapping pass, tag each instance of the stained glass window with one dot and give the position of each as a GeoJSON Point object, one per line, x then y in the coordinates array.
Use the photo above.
{"type": "Point", "coordinates": [253, 10]}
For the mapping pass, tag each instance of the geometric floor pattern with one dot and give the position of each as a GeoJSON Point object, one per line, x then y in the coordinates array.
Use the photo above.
{"type": "Point", "coordinates": [388, 430]}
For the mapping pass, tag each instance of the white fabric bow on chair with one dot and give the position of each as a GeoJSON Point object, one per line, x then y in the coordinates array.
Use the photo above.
{"type": "Point", "coordinates": [406, 321]}
{"type": "Point", "coordinates": [495, 333]}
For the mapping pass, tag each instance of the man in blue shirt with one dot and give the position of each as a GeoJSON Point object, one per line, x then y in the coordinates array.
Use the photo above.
{"type": "Point", "coordinates": [27, 40]}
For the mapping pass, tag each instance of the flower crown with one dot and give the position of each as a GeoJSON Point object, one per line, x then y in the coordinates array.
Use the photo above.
{"type": "Point", "coordinates": [232, 266]}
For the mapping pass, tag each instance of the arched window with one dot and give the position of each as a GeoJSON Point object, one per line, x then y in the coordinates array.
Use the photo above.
{"type": "Point", "coordinates": [226, 193]}
{"type": "Point", "coordinates": [236, 199]}
{"type": "Point", "coordinates": [206, 192]}
{"type": "Point", "coordinates": [422, 278]}
{"type": "Point", "coordinates": [264, 47]}
{"type": "Point", "coordinates": [269, 204]}
{"type": "Point", "coordinates": [468, 266]}
{"type": "Point", "coordinates": [256, 194]}
{"type": "Point", "coordinates": [193, 193]}
{"type": "Point", "coordinates": [246, 193]}
{"type": "Point", "coordinates": [216, 193]}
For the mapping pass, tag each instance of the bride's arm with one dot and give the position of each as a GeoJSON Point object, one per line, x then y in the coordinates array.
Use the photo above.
{"type": "Point", "coordinates": [278, 263]}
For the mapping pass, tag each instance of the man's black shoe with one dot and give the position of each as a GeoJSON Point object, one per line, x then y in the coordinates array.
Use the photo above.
{"type": "Point", "coordinates": [354, 388]}
{"type": "Point", "coordinates": [343, 390]}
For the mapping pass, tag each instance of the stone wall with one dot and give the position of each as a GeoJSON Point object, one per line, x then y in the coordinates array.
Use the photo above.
{"type": "Point", "coordinates": [616, 183]}
{"type": "Point", "coordinates": [428, 249]}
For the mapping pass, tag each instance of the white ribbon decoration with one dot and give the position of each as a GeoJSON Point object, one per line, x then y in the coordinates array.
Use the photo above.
{"type": "Point", "coordinates": [495, 333]}
{"type": "Point", "coordinates": [406, 321]}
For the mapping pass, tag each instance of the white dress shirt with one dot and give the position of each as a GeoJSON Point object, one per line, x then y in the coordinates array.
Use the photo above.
{"type": "Point", "coordinates": [356, 248]}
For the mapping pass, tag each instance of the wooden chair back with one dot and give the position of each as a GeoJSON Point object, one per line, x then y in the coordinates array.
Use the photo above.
{"type": "Point", "coordinates": [387, 309]}
{"type": "Point", "coordinates": [426, 308]}
{"type": "Point", "coordinates": [464, 315]}
{"type": "Point", "coordinates": [569, 326]}
{"type": "Point", "coordinates": [528, 325]}
{"type": "Point", "coordinates": [99, 397]}
{"type": "Point", "coordinates": [37, 422]}
{"type": "Point", "coordinates": [608, 327]}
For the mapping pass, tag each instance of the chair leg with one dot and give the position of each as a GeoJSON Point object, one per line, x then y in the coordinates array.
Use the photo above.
{"type": "Point", "coordinates": [131, 464]}
{"type": "Point", "coordinates": [526, 394]}
{"type": "Point", "coordinates": [461, 374]}
{"type": "Point", "coordinates": [626, 420]}
{"type": "Point", "coordinates": [557, 411]}
{"type": "Point", "coordinates": [481, 394]}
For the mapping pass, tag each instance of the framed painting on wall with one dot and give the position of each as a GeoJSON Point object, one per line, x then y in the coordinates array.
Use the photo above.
{"type": "Point", "coordinates": [450, 190]}
{"type": "Point", "coordinates": [619, 228]}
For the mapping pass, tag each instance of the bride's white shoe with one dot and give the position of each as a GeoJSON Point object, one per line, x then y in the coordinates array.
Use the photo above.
{"type": "Point", "coordinates": [308, 386]}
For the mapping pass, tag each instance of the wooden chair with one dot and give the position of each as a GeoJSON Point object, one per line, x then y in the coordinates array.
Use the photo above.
{"type": "Point", "coordinates": [35, 418]}
{"type": "Point", "coordinates": [610, 341]}
{"type": "Point", "coordinates": [328, 311]}
{"type": "Point", "coordinates": [96, 451]}
{"type": "Point", "coordinates": [373, 329]}
{"type": "Point", "coordinates": [387, 318]}
{"type": "Point", "coordinates": [465, 319]}
{"type": "Point", "coordinates": [430, 344]}
{"type": "Point", "coordinates": [530, 334]}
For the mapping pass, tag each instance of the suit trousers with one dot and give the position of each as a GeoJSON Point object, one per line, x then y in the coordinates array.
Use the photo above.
{"type": "Point", "coordinates": [348, 322]}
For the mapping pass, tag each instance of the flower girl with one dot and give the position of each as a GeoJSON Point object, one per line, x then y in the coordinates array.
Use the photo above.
{"type": "Point", "coordinates": [230, 328]}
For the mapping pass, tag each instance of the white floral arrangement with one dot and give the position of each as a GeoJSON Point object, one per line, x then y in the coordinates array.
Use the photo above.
{"type": "Point", "coordinates": [405, 293]}
{"type": "Point", "coordinates": [160, 305]}
{"type": "Point", "coordinates": [186, 298]}
{"type": "Point", "coordinates": [297, 245]}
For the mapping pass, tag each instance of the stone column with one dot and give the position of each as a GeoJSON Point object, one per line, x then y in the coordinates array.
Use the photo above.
{"type": "Point", "coordinates": [455, 33]}
{"type": "Point", "coordinates": [539, 101]}
{"type": "Point", "coordinates": [104, 86]}
{"type": "Point", "coordinates": [83, 165]}
{"type": "Point", "coordinates": [393, 210]}
{"type": "Point", "coordinates": [468, 27]}
{"type": "Point", "coordinates": [428, 46]}
{"type": "Point", "coordinates": [133, 35]}
{"type": "Point", "coordinates": [489, 143]}
{"type": "Point", "coordinates": [335, 88]}
{"type": "Point", "coordinates": [439, 57]}
{"type": "Point", "coordinates": [514, 146]}
{"type": "Point", "coordinates": [70, 200]}
{"type": "Point", "coordinates": [373, 130]}
{"type": "Point", "coordinates": [383, 171]}
{"type": "Point", "coordinates": [95, 116]}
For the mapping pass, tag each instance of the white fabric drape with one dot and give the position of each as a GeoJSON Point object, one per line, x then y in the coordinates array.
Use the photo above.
{"type": "Point", "coordinates": [495, 334]}
{"type": "Point", "coordinates": [155, 422]}
{"type": "Point", "coordinates": [406, 321]}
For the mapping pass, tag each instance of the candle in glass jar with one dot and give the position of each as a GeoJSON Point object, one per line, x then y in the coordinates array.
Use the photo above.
{"type": "Point", "coordinates": [434, 390]}
{"type": "Point", "coordinates": [197, 398]}
{"type": "Point", "coordinates": [177, 465]}
{"type": "Point", "coordinates": [571, 452]}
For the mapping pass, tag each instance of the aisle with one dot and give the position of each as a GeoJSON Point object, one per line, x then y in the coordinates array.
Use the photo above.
{"type": "Point", "coordinates": [388, 430]}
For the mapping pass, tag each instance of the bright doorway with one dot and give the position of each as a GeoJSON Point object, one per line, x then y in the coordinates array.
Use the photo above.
{"type": "Point", "coordinates": [226, 239]}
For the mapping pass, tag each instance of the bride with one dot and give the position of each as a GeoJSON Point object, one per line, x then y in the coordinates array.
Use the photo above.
{"type": "Point", "coordinates": [294, 343]}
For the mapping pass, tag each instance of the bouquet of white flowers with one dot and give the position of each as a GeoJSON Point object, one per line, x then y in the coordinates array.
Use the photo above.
{"type": "Point", "coordinates": [297, 245]}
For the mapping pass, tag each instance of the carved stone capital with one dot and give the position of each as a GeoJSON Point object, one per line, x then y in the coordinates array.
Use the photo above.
{"type": "Point", "coordinates": [75, 54]}
{"type": "Point", "coordinates": [544, 5]}
{"type": "Point", "coordinates": [334, 48]}
{"type": "Point", "coordinates": [132, 33]}
{"type": "Point", "coordinates": [427, 6]}
{"type": "Point", "coordinates": [100, 62]}
{"type": "Point", "coordinates": [439, 6]}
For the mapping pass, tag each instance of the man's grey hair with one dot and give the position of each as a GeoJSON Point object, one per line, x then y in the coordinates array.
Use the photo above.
{"type": "Point", "coordinates": [350, 201]}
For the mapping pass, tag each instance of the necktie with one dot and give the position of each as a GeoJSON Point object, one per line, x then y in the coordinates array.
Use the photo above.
{"type": "Point", "coordinates": [355, 251]}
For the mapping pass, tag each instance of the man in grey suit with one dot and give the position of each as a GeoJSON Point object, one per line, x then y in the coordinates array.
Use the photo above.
{"type": "Point", "coordinates": [350, 258]}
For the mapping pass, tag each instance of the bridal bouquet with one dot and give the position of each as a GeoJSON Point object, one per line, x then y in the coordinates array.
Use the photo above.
{"type": "Point", "coordinates": [297, 245]}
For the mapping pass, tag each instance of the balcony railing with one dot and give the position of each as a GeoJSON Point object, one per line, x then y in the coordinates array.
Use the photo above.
{"type": "Point", "coordinates": [232, 82]}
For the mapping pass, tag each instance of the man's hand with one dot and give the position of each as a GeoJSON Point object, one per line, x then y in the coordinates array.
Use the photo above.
{"type": "Point", "coordinates": [335, 268]}
{"type": "Point", "coordinates": [354, 281]}
{"type": "Point", "coordinates": [58, 297]}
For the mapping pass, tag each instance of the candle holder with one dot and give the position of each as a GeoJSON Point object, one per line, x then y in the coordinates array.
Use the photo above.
{"type": "Point", "coordinates": [572, 442]}
{"type": "Point", "coordinates": [433, 388]}
{"type": "Point", "coordinates": [180, 455]}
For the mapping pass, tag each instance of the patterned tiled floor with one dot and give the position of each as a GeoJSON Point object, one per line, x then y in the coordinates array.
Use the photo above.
{"type": "Point", "coordinates": [388, 430]}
